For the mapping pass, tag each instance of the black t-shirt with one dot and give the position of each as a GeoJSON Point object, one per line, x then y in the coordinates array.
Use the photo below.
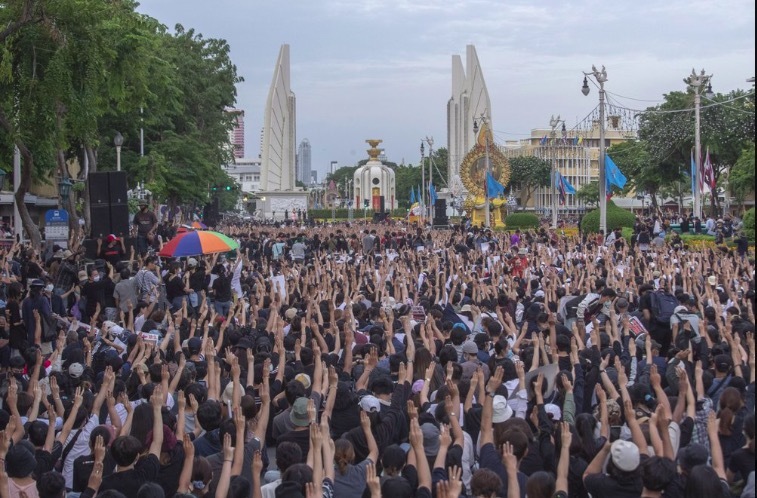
{"type": "Point", "coordinates": [300, 438]}
{"type": "Point", "coordinates": [46, 459]}
{"type": "Point", "coordinates": [128, 482]}
{"type": "Point", "coordinates": [169, 474]}
{"type": "Point", "coordinates": [83, 466]}
{"type": "Point", "coordinates": [222, 288]}
{"type": "Point", "coordinates": [94, 292]}
{"type": "Point", "coordinates": [112, 254]}
{"type": "Point", "coordinates": [174, 288]}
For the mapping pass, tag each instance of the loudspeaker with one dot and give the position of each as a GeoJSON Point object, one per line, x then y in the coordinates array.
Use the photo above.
{"type": "Point", "coordinates": [99, 188]}
{"type": "Point", "coordinates": [119, 220]}
{"type": "Point", "coordinates": [117, 187]}
{"type": "Point", "coordinates": [109, 203]}
{"type": "Point", "coordinates": [100, 218]}
{"type": "Point", "coordinates": [440, 213]}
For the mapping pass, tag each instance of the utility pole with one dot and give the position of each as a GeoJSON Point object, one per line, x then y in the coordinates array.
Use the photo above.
{"type": "Point", "coordinates": [601, 78]}
{"type": "Point", "coordinates": [696, 83]}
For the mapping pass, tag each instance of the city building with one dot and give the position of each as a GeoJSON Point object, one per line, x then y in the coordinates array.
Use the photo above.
{"type": "Point", "coordinates": [236, 135]}
{"type": "Point", "coordinates": [469, 102]}
{"type": "Point", "coordinates": [303, 162]}
{"type": "Point", "coordinates": [576, 156]}
{"type": "Point", "coordinates": [313, 177]}
{"type": "Point", "coordinates": [246, 173]}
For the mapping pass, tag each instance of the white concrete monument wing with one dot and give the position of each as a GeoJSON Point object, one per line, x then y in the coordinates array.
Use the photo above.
{"type": "Point", "coordinates": [279, 130]}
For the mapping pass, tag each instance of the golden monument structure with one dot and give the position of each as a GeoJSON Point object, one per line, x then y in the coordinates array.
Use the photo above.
{"type": "Point", "coordinates": [473, 175]}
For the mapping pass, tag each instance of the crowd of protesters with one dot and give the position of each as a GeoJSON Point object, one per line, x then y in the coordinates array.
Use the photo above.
{"type": "Point", "coordinates": [379, 360]}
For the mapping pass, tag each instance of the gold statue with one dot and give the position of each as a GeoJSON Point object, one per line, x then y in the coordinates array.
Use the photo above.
{"type": "Point", "coordinates": [374, 151]}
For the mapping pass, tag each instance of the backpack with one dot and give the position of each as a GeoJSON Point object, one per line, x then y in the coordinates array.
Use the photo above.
{"type": "Point", "coordinates": [663, 306]}
{"type": "Point", "coordinates": [571, 307]}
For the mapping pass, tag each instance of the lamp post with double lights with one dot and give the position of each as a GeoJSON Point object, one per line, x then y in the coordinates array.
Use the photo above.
{"type": "Point", "coordinates": [482, 118]}
{"type": "Point", "coordinates": [118, 141]}
{"type": "Point", "coordinates": [601, 78]}
{"type": "Point", "coordinates": [698, 83]}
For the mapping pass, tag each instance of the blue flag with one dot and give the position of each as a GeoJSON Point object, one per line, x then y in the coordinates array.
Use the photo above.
{"type": "Point", "coordinates": [432, 193]}
{"type": "Point", "coordinates": [412, 196]}
{"type": "Point", "coordinates": [493, 187]}
{"type": "Point", "coordinates": [569, 189]}
{"type": "Point", "coordinates": [613, 176]}
{"type": "Point", "coordinates": [543, 140]}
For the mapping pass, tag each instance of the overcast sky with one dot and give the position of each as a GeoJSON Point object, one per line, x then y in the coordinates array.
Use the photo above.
{"type": "Point", "coordinates": [381, 68]}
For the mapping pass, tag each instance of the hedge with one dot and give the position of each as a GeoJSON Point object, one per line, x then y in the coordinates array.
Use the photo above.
{"type": "Point", "coordinates": [522, 220]}
{"type": "Point", "coordinates": [616, 217]}
{"type": "Point", "coordinates": [749, 224]}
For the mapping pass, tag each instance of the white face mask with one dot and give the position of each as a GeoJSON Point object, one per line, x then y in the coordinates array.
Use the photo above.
{"type": "Point", "coordinates": [49, 288]}
{"type": "Point", "coordinates": [96, 278]}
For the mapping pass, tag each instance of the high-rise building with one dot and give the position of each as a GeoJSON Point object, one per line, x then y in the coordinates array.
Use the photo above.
{"type": "Point", "coordinates": [303, 162]}
{"type": "Point", "coordinates": [314, 177]}
{"type": "Point", "coordinates": [236, 135]}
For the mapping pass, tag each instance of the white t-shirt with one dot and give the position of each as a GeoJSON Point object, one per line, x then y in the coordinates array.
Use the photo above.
{"type": "Point", "coordinates": [80, 447]}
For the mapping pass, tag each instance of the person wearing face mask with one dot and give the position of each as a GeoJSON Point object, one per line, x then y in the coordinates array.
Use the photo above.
{"type": "Point", "coordinates": [56, 302]}
{"type": "Point", "coordinates": [145, 221]}
{"type": "Point", "coordinates": [94, 293]}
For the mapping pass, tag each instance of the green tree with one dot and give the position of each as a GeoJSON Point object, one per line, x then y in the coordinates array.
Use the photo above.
{"type": "Point", "coordinates": [727, 126]}
{"type": "Point", "coordinates": [589, 194]}
{"type": "Point", "coordinates": [741, 180]}
{"type": "Point", "coordinates": [528, 173]}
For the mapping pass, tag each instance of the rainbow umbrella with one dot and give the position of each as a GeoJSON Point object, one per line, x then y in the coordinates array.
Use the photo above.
{"type": "Point", "coordinates": [199, 226]}
{"type": "Point", "coordinates": [197, 243]}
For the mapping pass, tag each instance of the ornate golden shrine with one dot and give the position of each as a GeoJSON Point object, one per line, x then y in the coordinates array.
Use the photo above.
{"type": "Point", "coordinates": [473, 176]}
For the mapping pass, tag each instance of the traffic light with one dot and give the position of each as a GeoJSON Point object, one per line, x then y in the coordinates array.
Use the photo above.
{"type": "Point", "coordinates": [365, 203]}
{"type": "Point", "coordinates": [214, 188]}
{"type": "Point", "coordinates": [228, 188]}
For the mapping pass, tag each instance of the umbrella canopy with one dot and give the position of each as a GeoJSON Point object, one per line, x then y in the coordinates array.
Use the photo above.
{"type": "Point", "coordinates": [197, 243]}
{"type": "Point", "coordinates": [199, 226]}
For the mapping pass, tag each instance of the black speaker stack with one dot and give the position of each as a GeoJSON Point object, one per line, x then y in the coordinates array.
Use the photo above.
{"type": "Point", "coordinates": [440, 213]}
{"type": "Point", "coordinates": [108, 204]}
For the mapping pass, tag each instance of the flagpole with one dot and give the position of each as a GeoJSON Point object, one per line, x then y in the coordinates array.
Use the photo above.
{"type": "Point", "coordinates": [430, 142]}
{"type": "Point", "coordinates": [553, 124]}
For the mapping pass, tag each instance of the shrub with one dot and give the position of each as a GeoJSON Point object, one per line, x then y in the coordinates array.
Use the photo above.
{"type": "Point", "coordinates": [616, 217]}
{"type": "Point", "coordinates": [522, 220]}
{"type": "Point", "coordinates": [749, 224]}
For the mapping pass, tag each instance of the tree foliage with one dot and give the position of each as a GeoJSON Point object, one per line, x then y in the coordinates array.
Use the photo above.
{"type": "Point", "coordinates": [727, 126]}
{"type": "Point", "coordinates": [742, 175]}
{"type": "Point", "coordinates": [588, 194]}
{"type": "Point", "coordinates": [74, 72]}
{"type": "Point", "coordinates": [528, 173]}
{"type": "Point", "coordinates": [616, 217]}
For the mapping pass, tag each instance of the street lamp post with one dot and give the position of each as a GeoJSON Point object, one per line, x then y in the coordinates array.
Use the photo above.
{"type": "Point", "coordinates": [488, 166]}
{"type": "Point", "coordinates": [553, 122]}
{"type": "Point", "coordinates": [64, 189]}
{"type": "Point", "coordinates": [600, 77]}
{"type": "Point", "coordinates": [698, 82]}
{"type": "Point", "coordinates": [118, 141]}
{"type": "Point", "coordinates": [423, 185]}
{"type": "Point", "coordinates": [430, 142]}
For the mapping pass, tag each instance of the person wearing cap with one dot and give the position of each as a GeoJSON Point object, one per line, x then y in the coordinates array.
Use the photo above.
{"type": "Point", "coordinates": [471, 362]}
{"type": "Point", "coordinates": [35, 302]}
{"type": "Point", "coordinates": [114, 250]}
{"type": "Point", "coordinates": [66, 276]}
{"type": "Point", "coordinates": [146, 222]}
